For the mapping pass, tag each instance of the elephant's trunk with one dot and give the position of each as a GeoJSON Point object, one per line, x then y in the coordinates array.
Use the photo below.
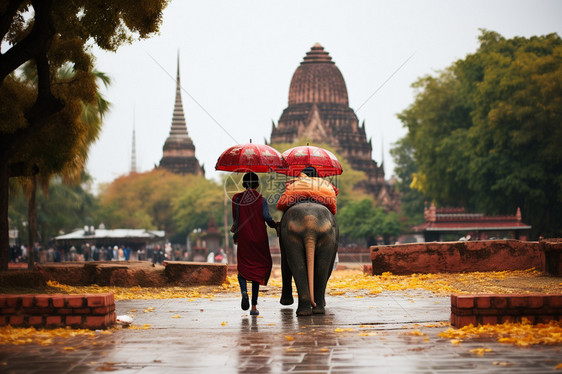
{"type": "Point", "coordinates": [310, 247]}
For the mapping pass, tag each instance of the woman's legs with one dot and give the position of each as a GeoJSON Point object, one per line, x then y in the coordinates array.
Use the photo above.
{"type": "Point", "coordinates": [255, 293]}
{"type": "Point", "coordinates": [244, 290]}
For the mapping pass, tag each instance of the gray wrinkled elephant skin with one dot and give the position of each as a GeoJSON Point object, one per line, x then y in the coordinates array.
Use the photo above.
{"type": "Point", "coordinates": [309, 242]}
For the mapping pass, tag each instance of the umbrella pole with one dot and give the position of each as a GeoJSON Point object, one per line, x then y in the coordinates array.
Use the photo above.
{"type": "Point", "coordinates": [226, 231]}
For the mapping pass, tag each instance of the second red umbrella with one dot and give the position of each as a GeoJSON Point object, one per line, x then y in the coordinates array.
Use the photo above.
{"type": "Point", "coordinates": [298, 158]}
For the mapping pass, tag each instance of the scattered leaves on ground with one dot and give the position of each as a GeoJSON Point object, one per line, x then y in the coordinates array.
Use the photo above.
{"type": "Point", "coordinates": [29, 335]}
{"type": "Point", "coordinates": [522, 334]}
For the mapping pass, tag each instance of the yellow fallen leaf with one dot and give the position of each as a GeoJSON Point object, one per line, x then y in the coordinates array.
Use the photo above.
{"type": "Point", "coordinates": [456, 341]}
{"type": "Point", "coordinates": [338, 330]}
{"type": "Point", "coordinates": [224, 323]}
{"type": "Point", "coordinates": [290, 349]}
{"type": "Point", "coordinates": [502, 363]}
{"type": "Point", "coordinates": [176, 316]}
{"type": "Point", "coordinates": [480, 351]}
{"type": "Point", "coordinates": [68, 349]}
{"type": "Point", "coordinates": [559, 366]}
{"type": "Point", "coordinates": [289, 338]}
{"type": "Point", "coordinates": [416, 333]}
{"type": "Point", "coordinates": [145, 326]}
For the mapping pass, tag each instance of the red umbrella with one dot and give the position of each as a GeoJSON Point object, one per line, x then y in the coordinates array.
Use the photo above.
{"type": "Point", "coordinates": [243, 158]}
{"type": "Point", "coordinates": [322, 160]}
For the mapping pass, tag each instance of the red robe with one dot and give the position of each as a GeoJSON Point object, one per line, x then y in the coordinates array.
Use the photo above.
{"type": "Point", "coordinates": [254, 258]}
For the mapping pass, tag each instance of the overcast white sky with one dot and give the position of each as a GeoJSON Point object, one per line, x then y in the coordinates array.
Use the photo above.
{"type": "Point", "coordinates": [238, 58]}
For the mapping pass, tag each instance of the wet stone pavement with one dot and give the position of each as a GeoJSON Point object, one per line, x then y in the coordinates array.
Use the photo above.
{"type": "Point", "coordinates": [390, 333]}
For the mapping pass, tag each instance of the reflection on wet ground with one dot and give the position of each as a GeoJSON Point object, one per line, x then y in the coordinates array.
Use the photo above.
{"type": "Point", "coordinates": [388, 333]}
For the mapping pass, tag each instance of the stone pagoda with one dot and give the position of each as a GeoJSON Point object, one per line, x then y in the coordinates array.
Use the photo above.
{"type": "Point", "coordinates": [179, 151]}
{"type": "Point", "coordinates": [319, 112]}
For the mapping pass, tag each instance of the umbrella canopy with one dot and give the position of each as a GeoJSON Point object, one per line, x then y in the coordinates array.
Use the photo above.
{"type": "Point", "coordinates": [259, 158]}
{"type": "Point", "coordinates": [322, 160]}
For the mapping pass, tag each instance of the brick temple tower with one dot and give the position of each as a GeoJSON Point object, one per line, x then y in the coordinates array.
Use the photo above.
{"type": "Point", "coordinates": [319, 112]}
{"type": "Point", "coordinates": [179, 151]}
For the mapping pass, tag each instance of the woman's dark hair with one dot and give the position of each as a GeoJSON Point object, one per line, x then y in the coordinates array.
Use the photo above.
{"type": "Point", "coordinates": [250, 180]}
{"type": "Point", "coordinates": [310, 171]}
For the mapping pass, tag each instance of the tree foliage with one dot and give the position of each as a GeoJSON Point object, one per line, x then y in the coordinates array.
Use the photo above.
{"type": "Point", "coordinates": [61, 210]}
{"type": "Point", "coordinates": [486, 134]}
{"type": "Point", "coordinates": [411, 199]}
{"type": "Point", "coordinates": [44, 119]}
{"type": "Point", "coordinates": [161, 200]}
{"type": "Point", "coordinates": [363, 220]}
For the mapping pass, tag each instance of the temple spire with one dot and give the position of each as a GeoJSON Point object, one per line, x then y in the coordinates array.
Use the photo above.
{"type": "Point", "coordinates": [179, 151]}
{"type": "Point", "coordinates": [179, 127]}
{"type": "Point", "coordinates": [134, 149]}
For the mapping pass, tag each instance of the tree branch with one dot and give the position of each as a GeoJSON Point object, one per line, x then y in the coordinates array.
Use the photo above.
{"type": "Point", "coordinates": [35, 44]}
{"type": "Point", "coordinates": [46, 104]}
{"type": "Point", "coordinates": [7, 17]}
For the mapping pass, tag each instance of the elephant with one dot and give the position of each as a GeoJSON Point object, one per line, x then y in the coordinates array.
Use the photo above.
{"type": "Point", "coordinates": [308, 238]}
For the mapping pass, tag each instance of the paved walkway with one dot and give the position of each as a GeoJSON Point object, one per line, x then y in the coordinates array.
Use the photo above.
{"type": "Point", "coordinates": [357, 335]}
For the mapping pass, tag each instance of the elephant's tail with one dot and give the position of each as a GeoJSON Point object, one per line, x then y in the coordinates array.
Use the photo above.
{"type": "Point", "coordinates": [310, 247]}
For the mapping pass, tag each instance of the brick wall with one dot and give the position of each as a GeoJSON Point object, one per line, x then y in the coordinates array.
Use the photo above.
{"type": "Point", "coordinates": [185, 273]}
{"type": "Point", "coordinates": [493, 309]}
{"type": "Point", "coordinates": [92, 311]}
{"type": "Point", "coordinates": [456, 257]}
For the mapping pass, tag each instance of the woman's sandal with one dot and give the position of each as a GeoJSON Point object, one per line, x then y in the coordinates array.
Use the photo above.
{"type": "Point", "coordinates": [254, 312]}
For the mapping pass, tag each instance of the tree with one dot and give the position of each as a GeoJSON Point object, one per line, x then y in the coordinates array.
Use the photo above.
{"type": "Point", "coordinates": [364, 221]}
{"type": "Point", "coordinates": [411, 199]}
{"type": "Point", "coordinates": [161, 200]}
{"type": "Point", "coordinates": [52, 34]}
{"type": "Point", "coordinates": [72, 168]}
{"type": "Point", "coordinates": [195, 205]}
{"type": "Point", "coordinates": [61, 210]}
{"type": "Point", "coordinates": [486, 132]}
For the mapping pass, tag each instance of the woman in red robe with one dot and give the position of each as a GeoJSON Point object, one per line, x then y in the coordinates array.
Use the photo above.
{"type": "Point", "coordinates": [250, 212]}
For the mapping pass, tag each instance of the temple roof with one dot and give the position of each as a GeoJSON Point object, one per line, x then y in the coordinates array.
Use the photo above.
{"type": "Point", "coordinates": [317, 80]}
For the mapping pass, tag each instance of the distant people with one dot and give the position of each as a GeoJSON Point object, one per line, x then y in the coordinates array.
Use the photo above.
{"type": "Point", "coordinates": [127, 253]}
{"type": "Point", "coordinates": [95, 253]}
{"type": "Point", "coordinates": [109, 254]}
{"type": "Point", "coordinates": [73, 254]}
{"type": "Point", "coordinates": [87, 252]}
{"type": "Point", "coordinates": [211, 257]}
{"type": "Point", "coordinates": [103, 254]}
{"type": "Point", "coordinates": [168, 250]}
{"type": "Point", "coordinates": [51, 255]}
{"type": "Point", "coordinates": [120, 254]}
{"type": "Point", "coordinates": [221, 257]}
{"type": "Point", "coordinates": [58, 255]}
{"type": "Point", "coordinates": [115, 253]}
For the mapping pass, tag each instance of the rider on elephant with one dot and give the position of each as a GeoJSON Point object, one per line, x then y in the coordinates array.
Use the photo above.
{"type": "Point", "coordinates": [309, 187]}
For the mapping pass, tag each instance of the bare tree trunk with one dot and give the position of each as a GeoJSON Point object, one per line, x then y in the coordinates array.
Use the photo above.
{"type": "Point", "coordinates": [32, 219]}
{"type": "Point", "coordinates": [4, 226]}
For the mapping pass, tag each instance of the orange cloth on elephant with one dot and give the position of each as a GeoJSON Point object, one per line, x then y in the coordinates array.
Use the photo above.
{"type": "Point", "coordinates": [305, 188]}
